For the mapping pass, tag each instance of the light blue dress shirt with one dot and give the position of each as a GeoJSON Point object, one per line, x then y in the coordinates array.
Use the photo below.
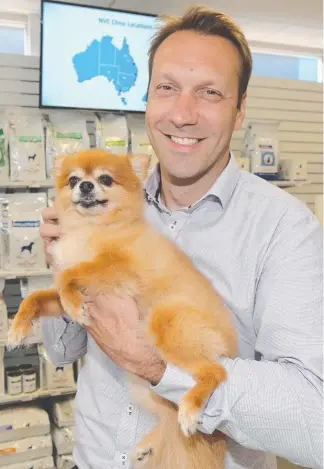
{"type": "Point", "coordinates": [263, 251]}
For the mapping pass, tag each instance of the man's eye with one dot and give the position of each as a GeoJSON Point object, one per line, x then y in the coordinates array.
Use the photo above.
{"type": "Point", "coordinates": [73, 180]}
{"type": "Point", "coordinates": [211, 93]}
{"type": "Point", "coordinates": [164, 88]}
{"type": "Point", "coordinates": [105, 180]}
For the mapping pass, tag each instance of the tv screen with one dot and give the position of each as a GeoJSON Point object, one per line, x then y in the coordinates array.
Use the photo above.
{"type": "Point", "coordinates": [94, 58]}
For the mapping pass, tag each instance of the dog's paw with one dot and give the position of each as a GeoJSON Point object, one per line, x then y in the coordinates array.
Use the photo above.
{"type": "Point", "coordinates": [16, 337]}
{"type": "Point", "coordinates": [188, 418]}
{"type": "Point", "coordinates": [141, 456]}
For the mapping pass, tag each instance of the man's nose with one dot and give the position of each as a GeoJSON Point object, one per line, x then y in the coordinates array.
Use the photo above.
{"type": "Point", "coordinates": [185, 110]}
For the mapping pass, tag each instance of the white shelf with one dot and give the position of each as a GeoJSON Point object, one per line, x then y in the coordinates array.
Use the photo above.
{"type": "Point", "coordinates": [27, 342]}
{"type": "Point", "coordinates": [286, 184]}
{"type": "Point", "coordinates": [29, 184]}
{"type": "Point", "coordinates": [25, 397]}
{"type": "Point", "coordinates": [11, 274]}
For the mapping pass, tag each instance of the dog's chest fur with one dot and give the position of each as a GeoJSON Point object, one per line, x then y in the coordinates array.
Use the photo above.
{"type": "Point", "coordinates": [72, 249]}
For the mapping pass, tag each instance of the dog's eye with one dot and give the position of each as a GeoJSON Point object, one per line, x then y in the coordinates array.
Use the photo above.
{"type": "Point", "coordinates": [73, 180]}
{"type": "Point", "coordinates": [105, 180]}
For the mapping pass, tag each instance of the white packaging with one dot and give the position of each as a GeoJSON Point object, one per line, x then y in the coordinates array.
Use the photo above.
{"type": "Point", "coordinates": [21, 422]}
{"type": "Point", "coordinates": [2, 385]}
{"type": "Point", "coordinates": [3, 319]}
{"type": "Point", "coordinates": [20, 218]}
{"type": "Point", "coordinates": [112, 133]}
{"type": "Point", "coordinates": [293, 169]}
{"type": "Point", "coordinates": [27, 449]}
{"type": "Point", "coordinates": [4, 163]}
{"type": "Point", "coordinates": [14, 383]}
{"type": "Point", "coordinates": [44, 463]}
{"type": "Point", "coordinates": [261, 145]}
{"type": "Point", "coordinates": [26, 146]}
{"type": "Point", "coordinates": [63, 439]}
{"type": "Point", "coordinates": [243, 163]}
{"type": "Point", "coordinates": [140, 142]}
{"type": "Point", "coordinates": [58, 376]}
{"type": "Point", "coordinates": [65, 461]}
{"type": "Point", "coordinates": [63, 412]}
{"type": "Point", "coordinates": [66, 134]}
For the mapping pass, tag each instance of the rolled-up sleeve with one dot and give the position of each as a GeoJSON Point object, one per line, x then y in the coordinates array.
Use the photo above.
{"type": "Point", "coordinates": [65, 341]}
{"type": "Point", "coordinates": [275, 404]}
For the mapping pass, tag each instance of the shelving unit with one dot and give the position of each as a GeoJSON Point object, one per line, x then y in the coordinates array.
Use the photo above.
{"type": "Point", "coordinates": [11, 274]}
{"type": "Point", "coordinates": [39, 394]}
{"type": "Point", "coordinates": [287, 184]}
{"type": "Point", "coordinates": [27, 184]}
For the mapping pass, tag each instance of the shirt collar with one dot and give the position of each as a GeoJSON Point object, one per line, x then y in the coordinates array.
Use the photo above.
{"type": "Point", "coordinates": [222, 189]}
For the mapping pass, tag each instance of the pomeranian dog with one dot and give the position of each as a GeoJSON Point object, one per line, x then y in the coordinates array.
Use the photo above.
{"type": "Point", "coordinates": [108, 246]}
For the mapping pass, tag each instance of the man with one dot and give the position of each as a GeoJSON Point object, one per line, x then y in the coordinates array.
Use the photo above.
{"type": "Point", "coordinates": [259, 246]}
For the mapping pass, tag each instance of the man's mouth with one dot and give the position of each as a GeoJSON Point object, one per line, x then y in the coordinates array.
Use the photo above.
{"type": "Point", "coordinates": [185, 141]}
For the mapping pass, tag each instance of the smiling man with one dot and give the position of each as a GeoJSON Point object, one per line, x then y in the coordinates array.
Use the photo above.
{"type": "Point", "coordinates": [260, 247]}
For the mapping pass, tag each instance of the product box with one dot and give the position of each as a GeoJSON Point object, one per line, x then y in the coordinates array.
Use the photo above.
{"type": "Point", "coordinates": [22, 422]}
{"type": "Point", "coordinates": [112, 133]}
{"type": "Point", "coordinates": [65, 461]}
{"type": "Point", "coordinates": [3, 320]}
{"type": "Point", "coordinates": [20, 218]}
{"type": "Point", "coordinates": [27, 449]}
{"type": "Point", "coordinates": [293, 169]}
{"type": "Point", "coordinates": [2, 384]}
{"type": "Point", "coordinates": [63, 412]}
{"type": "Point", "coordinates": [26, 146]}
{"type": "Point", "coordinates": [43, 463]}
{"type": "Point", "coordinates": [66, 134]}
{"type": "Point", "coordinates": [63, 439]}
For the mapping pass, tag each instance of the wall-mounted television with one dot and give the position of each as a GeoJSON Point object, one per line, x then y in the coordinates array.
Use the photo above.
{"type": "Point", "coordinates": [94, 58]}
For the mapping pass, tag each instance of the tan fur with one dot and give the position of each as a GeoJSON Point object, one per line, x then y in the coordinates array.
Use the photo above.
{"type": "Point", "coordinates": [113, 249]}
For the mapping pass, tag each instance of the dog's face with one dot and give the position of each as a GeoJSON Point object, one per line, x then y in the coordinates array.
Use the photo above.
{"type": "Point", "coordinates": [98, 183]}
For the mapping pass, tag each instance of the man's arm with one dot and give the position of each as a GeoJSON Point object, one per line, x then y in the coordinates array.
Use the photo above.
{"type": "Point", "coordinates": [65, 341]}
{"type": "Point", "coordinates": [275, 404]}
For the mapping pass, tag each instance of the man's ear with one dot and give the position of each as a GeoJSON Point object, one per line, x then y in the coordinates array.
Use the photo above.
{"type": "Point", "coordinates": [141, 165]}
{"type": "Point", "coordinates": [57, 164]}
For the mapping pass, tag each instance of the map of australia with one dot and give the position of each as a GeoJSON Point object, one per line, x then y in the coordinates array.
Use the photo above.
{"type": "Point", "coordinates": [103, 58]}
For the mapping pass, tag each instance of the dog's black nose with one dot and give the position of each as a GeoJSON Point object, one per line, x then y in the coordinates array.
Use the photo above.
{"type": "Point", "coordinates": [86, 187]}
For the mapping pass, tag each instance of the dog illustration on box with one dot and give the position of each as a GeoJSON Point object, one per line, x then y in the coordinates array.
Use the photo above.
{"type": "Point", "coordinates": [27, 247]}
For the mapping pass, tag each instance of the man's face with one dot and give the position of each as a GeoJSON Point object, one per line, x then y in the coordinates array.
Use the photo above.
{"type": "Point", "coordinates": [192, 103]}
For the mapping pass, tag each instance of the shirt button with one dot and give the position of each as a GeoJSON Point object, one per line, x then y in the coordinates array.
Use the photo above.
{"type": "Point", "coordinates": [130, 409]}
{"type": "Point", "coordinates": [123, 458]}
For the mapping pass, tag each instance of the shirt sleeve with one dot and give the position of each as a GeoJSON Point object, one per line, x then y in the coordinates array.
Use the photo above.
{"type": "Point", "coordinates": [65, 341]}
{"type": "Point", "coordinates": [275, 403]}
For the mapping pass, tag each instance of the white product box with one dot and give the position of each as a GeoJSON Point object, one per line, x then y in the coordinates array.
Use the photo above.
{"type": "Point", "coordinates": [27, 449]}
{"type": "Point", "coordinates": [57, 376]}
{"type": "Point", "coordinates": [243, 163]}
{"type": "Point", "coordinates": [63, 439]}
{"type": "Point", "coordinates": [65, 461]}
{"type": "Point", "coordinates": [20, 422]}
{"type": "Point", "coordinates": [63, 412]}
{"type": "Point", "coordinates": [44, 463]}
{"type": "Point", "coordinates": [3, 320]}
{"type": "Point", "coordinates": [293, 169]}
{"type": "Point", "coordinates": [2, 385]}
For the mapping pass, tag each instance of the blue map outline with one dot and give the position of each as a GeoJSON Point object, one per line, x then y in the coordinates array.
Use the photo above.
{"type": "Point", "coordinates": [103, 58]}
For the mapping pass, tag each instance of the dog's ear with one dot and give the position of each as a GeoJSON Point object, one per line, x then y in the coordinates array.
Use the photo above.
{"type": "Point", "coordinates": [57, 164]}
{"type": "Point", "coordinates": [141, 165]}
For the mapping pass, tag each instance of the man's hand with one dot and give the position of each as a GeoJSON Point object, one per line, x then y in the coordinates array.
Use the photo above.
{"type": "Point", "coordinates": [115, 328]}
{"type": "Point", "coordinates": [49, 230]}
